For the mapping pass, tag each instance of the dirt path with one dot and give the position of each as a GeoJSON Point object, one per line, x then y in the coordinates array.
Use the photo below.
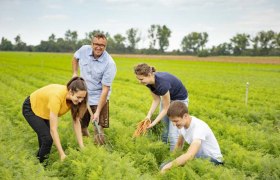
{"type": "Point", "coordinates": [243, 59]}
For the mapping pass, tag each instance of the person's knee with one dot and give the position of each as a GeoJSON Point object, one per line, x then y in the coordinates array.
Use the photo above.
{"type": "Point", "coordinates": [85, 132]}
{"type": "Point", "coordinates": [173, 138]}
{"type": "Point", "coordinates": [164, 137]}
{"type": "Point", "coordinates": [47, 140]}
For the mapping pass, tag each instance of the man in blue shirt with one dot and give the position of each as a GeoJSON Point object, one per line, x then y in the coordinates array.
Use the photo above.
{"type": "Point", "coordinates": [98, 69]}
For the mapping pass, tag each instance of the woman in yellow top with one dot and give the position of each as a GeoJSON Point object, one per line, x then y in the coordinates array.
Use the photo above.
{"type": "Point", "coordinates": [43, 107]}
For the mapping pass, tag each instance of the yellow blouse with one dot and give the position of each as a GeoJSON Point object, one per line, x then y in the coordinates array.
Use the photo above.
{"type": "Point", "coordinates": [51, 98]}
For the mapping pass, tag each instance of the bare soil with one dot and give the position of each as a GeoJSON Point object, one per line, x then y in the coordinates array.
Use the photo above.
{"type": "Point", "coordinates": [237, 59]}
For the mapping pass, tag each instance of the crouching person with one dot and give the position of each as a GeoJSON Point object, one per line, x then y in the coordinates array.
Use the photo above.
{"type": "Point", "coordinates": [196, 133]}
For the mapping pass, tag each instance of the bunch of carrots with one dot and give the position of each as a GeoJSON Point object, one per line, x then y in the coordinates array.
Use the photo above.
{"type": "Point", "coordinates": [142, 127]}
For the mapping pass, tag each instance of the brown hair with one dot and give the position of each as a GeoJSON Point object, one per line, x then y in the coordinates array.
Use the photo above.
{"type": "Point", "coordinates": [143, 69]}
{"type": "Point", "coordinates": [177, 109]}
{"type": "Point", "coordinates": [99, 35]}
{"type": "Point", "coordinates": [78, 84]}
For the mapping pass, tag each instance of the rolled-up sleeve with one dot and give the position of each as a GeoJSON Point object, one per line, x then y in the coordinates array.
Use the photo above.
{"type": "Point", "coordinates": [77, 54]}
{"type": "Point", "coordinates": [109, 74]}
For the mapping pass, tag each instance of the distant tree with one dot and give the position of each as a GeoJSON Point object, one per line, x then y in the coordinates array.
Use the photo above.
{"type": "Point", "coordinates": [44, 46]}
{"type": "Point", "coordinates": [222, 49]}
{"type": "Point", "coordinates": [119, 43]}
{"type": "Point", "coordinates": [18, 39]}
{"type": "Point", "coordinates": [52, 38]}
{"type": "Point", "coordinates": [53, 46]}
{"type": "Point", "coordinates": [19, 46]}
{"type": "Point", "coordinates": [163, 33]}
{"type": "Point", "coordinates": [152, 35]}
{"type": "Point", "coordinates": [276, 45]}
{"type": "Point", "coordinates": [61, 45]}
{"type": "Point", "coordinates": [6, 45]}
{"type": "Point", "coordinates": [203, 40]}
{"type": "Point", "coordinates": [190, 43]}
{"type": "Point", "coordinates": [276, 40]}
{"type": "Point", "coordinates": [119, 39]}
{"type": "Point", "coordinates": [70, 39]}
{"type": "Point", "coordinates": [266, 41]}
{"type": "Point", "coordinates": [194, 42]}
{"type": "Point", "coordinates": [239, 43]}
{"type": "Point", "coordinates": [49, 46]}
{"type": "Point", "coordinates": [110, 45]}
{"type": "Point", "coordinates": [256, 45]}
{"type": "Point", "coordinates": [132, 38]}
{"type": "Point", "coordinates": [71, 36]}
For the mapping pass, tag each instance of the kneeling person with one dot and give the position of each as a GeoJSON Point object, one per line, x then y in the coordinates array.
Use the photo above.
{"type": "Point", "coordinates": [195, 132]}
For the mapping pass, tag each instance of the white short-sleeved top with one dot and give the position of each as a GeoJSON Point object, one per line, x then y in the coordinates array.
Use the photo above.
{"type": "Point", "coordinates": [198, 129]}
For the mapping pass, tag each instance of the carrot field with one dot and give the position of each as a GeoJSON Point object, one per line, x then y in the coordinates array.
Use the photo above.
{"type": "Point", "coordinates": [249, 135]}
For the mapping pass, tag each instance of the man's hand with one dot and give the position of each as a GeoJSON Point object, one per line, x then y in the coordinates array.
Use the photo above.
{"type": "Point", "coordinates": [74, 75]}
{"type": "Point", "coordinates": [166, 167]}
{"type": "Point", "coordinates": [95, 117]}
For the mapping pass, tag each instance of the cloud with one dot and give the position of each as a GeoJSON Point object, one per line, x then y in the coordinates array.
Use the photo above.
{"type": "Point", "coordinates": [258, 20]}
{"type": "Point", "coordinates": [121, 1]}
{"type": "Point", "coordinates": [55, 17]}
{"type": "Point", "coordinates": [80, 1]}
{"type": "Point", "coordinates": [7, 19]}
{"type": "Point", "coordinates": [54, 6]}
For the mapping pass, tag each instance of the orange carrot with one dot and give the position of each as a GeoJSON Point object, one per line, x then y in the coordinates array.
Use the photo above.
{"type": "Point", "coordinates": [142, 127]}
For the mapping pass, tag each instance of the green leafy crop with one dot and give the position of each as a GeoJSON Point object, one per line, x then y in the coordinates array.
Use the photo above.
{"type": "Point", "coordinates": [248, 134]}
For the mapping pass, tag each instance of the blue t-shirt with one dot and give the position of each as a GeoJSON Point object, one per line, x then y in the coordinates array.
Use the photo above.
{"type": "Point", "coordinates": [167, 82]}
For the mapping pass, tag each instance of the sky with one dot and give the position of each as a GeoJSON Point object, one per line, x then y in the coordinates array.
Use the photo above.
{"type": "Point", "coordinates": [36, 20]}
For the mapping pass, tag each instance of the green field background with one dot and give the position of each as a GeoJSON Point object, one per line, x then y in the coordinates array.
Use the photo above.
{"type": "Point", "coordinates": [249, 135]}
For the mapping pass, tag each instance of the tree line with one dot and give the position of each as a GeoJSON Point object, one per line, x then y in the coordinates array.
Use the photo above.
{"type": "Point", "coordinates": [264, 43]}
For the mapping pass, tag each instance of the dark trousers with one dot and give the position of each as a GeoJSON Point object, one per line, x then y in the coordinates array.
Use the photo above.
{"type": "Point", "coordinates": [41, 127]}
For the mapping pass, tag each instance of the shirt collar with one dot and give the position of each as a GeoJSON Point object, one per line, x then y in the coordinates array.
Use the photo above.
{"type": "Point", "coordinates": [98, 59]}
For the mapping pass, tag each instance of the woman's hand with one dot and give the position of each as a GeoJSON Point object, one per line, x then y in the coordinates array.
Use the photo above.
{"type": "Point", "coordinates": [151, 125]}
{"type": "Point", "coordinates": [62, 156]}
{"type": "Point", "coordinates": [148, 116]}
{"type": "Point", "coordinates": [82, 146]}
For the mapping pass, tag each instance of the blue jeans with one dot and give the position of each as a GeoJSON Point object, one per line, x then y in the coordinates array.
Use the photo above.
{"type": "Point", "coordinates": [170, 131]}
{"type": "Point", "coordinates": [216, 162]}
